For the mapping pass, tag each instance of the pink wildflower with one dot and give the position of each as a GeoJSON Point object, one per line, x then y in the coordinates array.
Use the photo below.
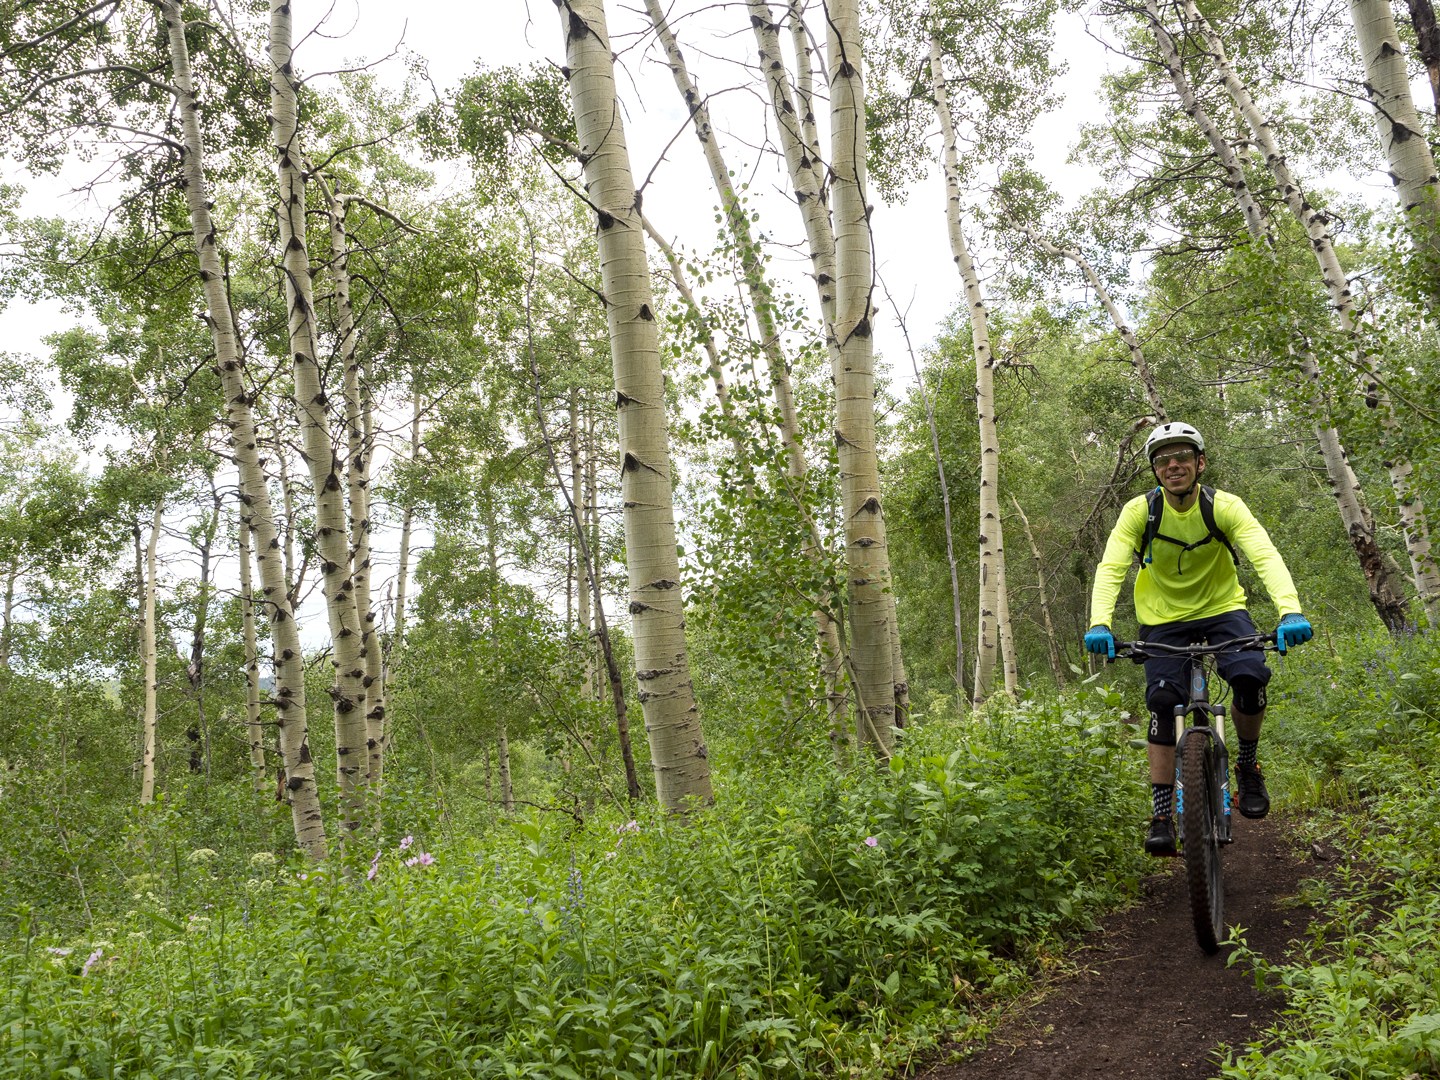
{"type": "Point", "coordinates": [870, 841]}
{"type": "Point", "coordinates": [93, 959]}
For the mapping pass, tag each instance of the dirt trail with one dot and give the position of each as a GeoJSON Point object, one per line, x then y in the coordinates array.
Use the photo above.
{"type": "Point", "coordinates": [1144, 1001]}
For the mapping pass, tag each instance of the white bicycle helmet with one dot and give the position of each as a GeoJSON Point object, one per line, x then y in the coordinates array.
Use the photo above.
{"type": "Point", "coordinates": [1173, 432]}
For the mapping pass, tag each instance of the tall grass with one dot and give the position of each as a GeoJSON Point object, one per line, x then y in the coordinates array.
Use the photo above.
{"type": "Point", "coordinates": [806, 922]}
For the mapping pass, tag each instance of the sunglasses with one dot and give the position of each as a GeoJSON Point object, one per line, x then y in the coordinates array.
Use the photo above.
{"type": "Point", "coordinates": [1165, 457]}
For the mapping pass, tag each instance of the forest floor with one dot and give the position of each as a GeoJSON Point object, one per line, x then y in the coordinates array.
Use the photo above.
{"type": "Point", "coordinates": [1139, 999]}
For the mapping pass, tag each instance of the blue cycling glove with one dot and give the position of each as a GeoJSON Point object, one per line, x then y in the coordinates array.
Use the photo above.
{"type": "Point", "coordinates": [1294, 629]}
{"type": "Point", "coordinates": [1101, 642]}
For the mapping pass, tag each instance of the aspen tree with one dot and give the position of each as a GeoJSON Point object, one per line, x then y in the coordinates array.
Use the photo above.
{"type": "Point", "coordinates": [991, 611]}
{"type": "Point", "coordinates": [299, 785]}
{"type": "Point", "coordinates": [672, 716]}
{"type": "Point", "coordinates": [311, 399]}
{"type": "Point", "coordinates": [800, 145]}
{"type": "Point", "coordinates": [1402, 136]}
{"type": "Point", "coordinates": [1385, 593]}
{"type": "Point", "coordinates": [759, 289]}
{"type": "Point", "coordinates": [149, 721]}
{"type": "Point", "coordinates": [1337, 284]}
{"type": "Point", "coordinates": [872, 607]}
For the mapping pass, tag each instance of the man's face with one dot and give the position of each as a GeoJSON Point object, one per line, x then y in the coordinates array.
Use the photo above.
{"type": "Point", "coordinates": [1177, 466]}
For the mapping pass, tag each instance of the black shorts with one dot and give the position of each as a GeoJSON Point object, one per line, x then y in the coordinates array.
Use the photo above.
{"type": "Point", "coordinates": [1162, 671]}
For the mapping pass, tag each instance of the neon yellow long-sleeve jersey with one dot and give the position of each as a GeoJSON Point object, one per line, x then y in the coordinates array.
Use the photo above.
{"type": "Point", "coordinates": [1178, 585]}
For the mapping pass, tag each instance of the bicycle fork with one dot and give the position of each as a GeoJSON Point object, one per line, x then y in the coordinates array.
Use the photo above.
{"type": "Point", "coordinates": [1216, 736]}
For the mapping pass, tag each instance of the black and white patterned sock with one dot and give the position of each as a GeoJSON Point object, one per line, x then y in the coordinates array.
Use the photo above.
{"type": "Point", "coordinates": [1162, 799]}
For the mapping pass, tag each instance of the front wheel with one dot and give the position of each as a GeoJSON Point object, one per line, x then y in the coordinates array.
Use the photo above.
{"type": "Point", "coordinates": [1202, 841]}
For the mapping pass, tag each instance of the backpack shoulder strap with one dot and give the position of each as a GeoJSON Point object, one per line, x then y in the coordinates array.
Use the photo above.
{"type": "Point", "coordinates": [1154, 508]}
{"type": "Point", "coordinates": [1207, 512]}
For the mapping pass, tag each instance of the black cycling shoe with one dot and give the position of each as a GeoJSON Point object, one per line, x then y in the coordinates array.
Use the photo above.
{"type": "Point", "coordinates": [1160, 840]}
{"type": "Point", "coordinates": [1254, 801]}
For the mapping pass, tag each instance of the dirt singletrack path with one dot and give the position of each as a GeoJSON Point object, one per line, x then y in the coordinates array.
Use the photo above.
{"type": "Point", "coordinates": [1142, 1001]}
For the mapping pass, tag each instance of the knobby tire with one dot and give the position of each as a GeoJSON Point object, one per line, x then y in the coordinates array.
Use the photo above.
{"type": "Point", "coordinates": [1202, 843]}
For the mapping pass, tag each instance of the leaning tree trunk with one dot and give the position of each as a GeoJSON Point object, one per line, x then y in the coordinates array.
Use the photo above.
{"type": "Point", "coordinates": [331, 531]}
{"type": "Point", "coordinates": [762, 304]}
{"type": "Point", "coordinates": [1117, 319]}
{"type": "Point", "coordinates": [255, 508]}
{"type": "Point", "coordinates": [867, 553]}
{"type": "Point", "coordinates": [672, 716]}
{"type": "Point", "coordinates": [1052, 642]}
{"type": "Point", "coordinates": [149, 656]}
{"type": "Point", "coordinates": [1386, 591]}
{"type": "Point", "coordinates": [991, 553]}
{"type": "Point", "coordinates": [1424, 571]}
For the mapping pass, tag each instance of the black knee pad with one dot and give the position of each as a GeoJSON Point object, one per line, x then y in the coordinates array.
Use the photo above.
{"type": "Point", "coordinates": [1161, 699]}
{"type": "Point", "coordinates": [1249, 695]}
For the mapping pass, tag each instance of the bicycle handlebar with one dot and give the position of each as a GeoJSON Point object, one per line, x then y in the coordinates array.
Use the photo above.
{"type": "Point", "coordinates": [1143, 650]}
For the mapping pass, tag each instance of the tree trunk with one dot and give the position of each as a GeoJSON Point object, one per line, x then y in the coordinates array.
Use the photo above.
{"type": "Point", "coordinates": [1386, 593]}
{"type": "Point", "coordinates": [1117, 319]}
{"type": "Point", "coordinates": [360, 446]}
{"type": "Point", "coordinates": [149, 656]}
{"type": "Point", "coordinates": [672, 716]}
{"type": "Point", "coordinates": [255, 497]}
{"type": "Point", "coordinates": [988, 629]}
{"type": "Point", "coordinates": [402, 572]}
{"type": "Point", "coordinates": [1052, 642]}
{"type": "Point", "coordinates": [1427, 36]}
{"type": "Point", "coordinates": [198, 733]}
{"type": "Point", "coordinates": [761, 293]}
{"type": "Point", "coordinates": [1412, 511]}
{"type": "Point", "coordinates": [867, 555]}
{"type": "Point", "coordinates": [331, 531]}
{"type": "Point", "coordinates": [253, 726]}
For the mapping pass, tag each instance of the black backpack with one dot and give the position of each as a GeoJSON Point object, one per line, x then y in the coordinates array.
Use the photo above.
{"type": "Point", "coordinates": [1155, 507]}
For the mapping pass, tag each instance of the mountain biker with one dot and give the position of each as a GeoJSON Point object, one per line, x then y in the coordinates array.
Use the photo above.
{"type": "Point", "coordinates": [1187, 591]}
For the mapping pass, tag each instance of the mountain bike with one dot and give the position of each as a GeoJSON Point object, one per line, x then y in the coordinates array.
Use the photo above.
{"type": "Point", "coordinates": [1202, 776]}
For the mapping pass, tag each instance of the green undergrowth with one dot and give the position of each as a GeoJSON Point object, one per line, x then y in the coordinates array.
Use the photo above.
{"type": "Point", "coordinates": [1362, 997]}
{"type": "Point", "coordinates": [807, 923]}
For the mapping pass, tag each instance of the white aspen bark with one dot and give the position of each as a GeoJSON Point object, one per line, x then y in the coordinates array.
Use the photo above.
{"type": "Point", "coordinates": [149, 657]}
{"type": "Point", "coordinates": [331, 531]}
{"type": "Point", "coordinates": [359, 422]}
{"type": "Point", "coordinates": [1402, 136]}
{"type": "Point", "coordinates": [1385, 594]}
{"type": "Point", "coordinates": [804, 79]}
{"type": "Point", "coordinates": [253, 727]}
{"type": "Point", "coordinates": [737, 222]}
{"type": "Point", "coordinates": [807, 172]}
{"type": "Point", "coordinates": [758, 288]}
{"type": "Point", "coordinates": [1423, 567]}
{"type": "Point", "coordinates": [584, 620]}
{"type": "Point", "coordinates": [1052, 642]}
{"type": "Point", "coordinates": [672, 716]}
{"type": "Point", "coordinates": [867, 555]}
{"type": "Point", "coordinates": [987, 642]}
{"type": "Point", "coordinates": [255, 497]}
